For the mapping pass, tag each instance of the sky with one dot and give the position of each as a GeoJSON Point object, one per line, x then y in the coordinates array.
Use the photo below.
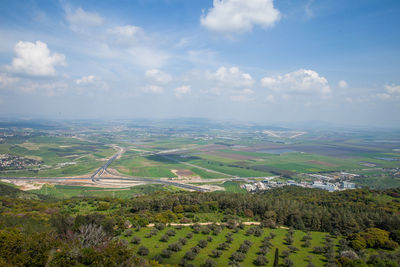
{"type": "Point", "coordinates": [336, 61]}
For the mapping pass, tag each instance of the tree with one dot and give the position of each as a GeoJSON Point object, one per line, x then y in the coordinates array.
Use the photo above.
{"type": "Point", "coordinates": [238, 256]}
{"type": "Point", "coordinates": [190, 255]}
{"type": "Point", "coordinates": [143, 251]}
{"type": "Point", "coordinates": [209, 263]}
{"type": "Point", "coordinates": [164, 238]}
{"type": "Point", "coordinates": [175, 246]}
{"type": "Point", "coordinates": [261, 260]}
{"type": "Point", "coordinates": [215, 253]}
{"type": "Point", "coordinates": [203, 243]}
{"type": "Point", "coordinates": [287, 262]}
{"type": "Point", "coordinates": [136, 240]}
{"type": "Point", "coordinates": [166, 253]}
{"type": "Point", "coordinates": [276, 258]}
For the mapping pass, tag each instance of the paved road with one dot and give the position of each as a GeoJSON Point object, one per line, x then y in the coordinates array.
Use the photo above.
{"type": "Point", "coordinates": [133, 179]}
{"type": "Point", "coordinates": [103, 168]}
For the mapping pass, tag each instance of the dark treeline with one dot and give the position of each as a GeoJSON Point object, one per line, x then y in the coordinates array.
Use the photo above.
{"type": "Point", "coordinates": [339, 213]}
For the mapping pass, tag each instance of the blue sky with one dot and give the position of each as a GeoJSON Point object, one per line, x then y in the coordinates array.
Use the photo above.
{"type": "Point", "coordinates": [253, 60]}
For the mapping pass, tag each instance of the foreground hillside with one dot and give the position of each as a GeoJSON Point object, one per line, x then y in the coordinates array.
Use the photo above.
{"type": "Point", "coordinates": [308, 227]}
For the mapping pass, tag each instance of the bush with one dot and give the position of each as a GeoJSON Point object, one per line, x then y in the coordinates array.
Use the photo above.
{"type": "Point", "coordinates": [307, 244]}
{"type": "Point", "coordinates": [189, 235]}
{"type": "Point", "coordinates": [261, 260]}
{"type": "Point", "coordinates": [175, 246]}
{"type": "Point", "coordinates": [243, 248]}
{"type": "Point", "coordinates": [319, 250]}
{"type": "Point", "coordinates": [263, 250]}
{"type": "Point", "coordinates": [136, 240]}
{"type": "Point", "coordinates": [128, 232]}
{"type": "Point", "coordinates": [160, 226]}
{"type": "Point", "coordinates": [190, 255]}
{"type": "Point", "coordinates": [223, 246]}
{"type": "Point", "coordinates": [238, 256]}
{"type": "Point", "coordinates": [293, 249]}
{"type": "Point", "coordinates": [287, 262]}
{"type": "Point", "coordinates": [195, 249]}
{"type": "Point", "coordinates": [166, 253]}
{"type": "Point", "coordinates": [143, 251]}
{"type": "Point", "coordinates": [164, 238]}
{"type": "Point", "coordinates": [209, 263]}
{"type": "Point", "coordinates": [203, 243]}
{"type": "Point", "coordinates": [171, 232]}
{"type": "Point", "coordinates": [183, 241]}
{"type": "Point", "coordinates": [285, 253]}
{"type": "Point", "coordinates": [205, 231]}
{"type": "Point", "coordinates": [215, 253]}
{"type": "Point", "coordinates": [209, 239]}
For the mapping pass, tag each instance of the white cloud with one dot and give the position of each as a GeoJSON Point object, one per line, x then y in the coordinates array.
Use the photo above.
{"type": "Point", "coordinates": [242, 95]}
{"type": "Point", "coordinates": [308, 10]}
{"type": "Point", "coordinates": [155, 89]}
{"type": "Point", "coordinates": [158, 76]}
{"type": "Point", "coordinates": [384, 96]}
{"type": "Point", "coordinates": [342, 84]}
{"type": "Point", "coordinates": [86, 79]}
{"type": "Point", "coordinates": [6, 80]}
{"type": "Point", "coordinates": [232, 77]}
{"type": "Point", "coordinates": [393, 89]}
{"type": "Point", "coordinates": [301, 81]}
{"type": "Point", "coordinates": [183, 90]}
{"type": "Point", "coordinates": [44, 88]}
{"type": "Point", "coordinates": [270, 98]}
{"type": "Point", "coordinates": [127, 35]}
{"type": "Point", "coordinates": [35, 59]}
{"type": "Point", "coordinates": [127, 30]}
{"type": "Point", "coordinates": [238, 16]}
{"type": "Point", "coordinates": [78, 18]}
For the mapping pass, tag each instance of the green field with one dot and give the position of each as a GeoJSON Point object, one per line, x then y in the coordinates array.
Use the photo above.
{"type": "Point", "coordinates": [300, 257]}
{"type": "Point", "coordinates": [65, 191]}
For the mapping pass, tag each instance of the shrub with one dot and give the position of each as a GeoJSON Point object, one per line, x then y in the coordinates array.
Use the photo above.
{"type": "Point", "coordinates": [238, 256]}
{"type": "Point", "coordinates": [196, 249]}
{"type": "Point", "coordinates": [203, 243]}
{"type": "Point", "coordinates": [143, 251]}
{"type": "Point", "coordinates": [243, 248]}
{"type": "Point", "coordinates": [293, 249]}
{"type": "Point", "coordinates": [209, 263]}
{"type": "Point", "coordinates": [164, 238]}
{"type": "Point", "coordinates": [175, 246]}
{"type": "Point", "coordinates": [285, 253]}
{"type": "Point", "coordinates": [263, 250]}
{"type": "Point", "coordinates": [287, 262]}
{"type": "Point", "coordinates": [307, 244]}
{"type": "Point", "coordinates": [261, 260]}
{"type": "Point", "coordinates": [160, 226]}
{"type": "Point", "coordinates": [128, 232]}
{"type": "Point", "coordinates": [223, 246]}
{"type": "Point", "coordinates": [190, 255]}
{"type": "Point", "coordinates": [136, 240]}
{"type": "Point", "coordinates": [205, 231]}
{"type": "Point", "coordinates": [166, 253]}
{"type": "Point", "coordinates": [189, 235]}
{"type": "Point", "coordinates": [171, 232]}
{"type": "Point", "coordinates": [215, 253]}
{"type": "Point", "coordinates": [183, 241]}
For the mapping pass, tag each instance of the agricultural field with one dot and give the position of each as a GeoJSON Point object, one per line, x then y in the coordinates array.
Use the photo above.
{"type": "Point", "coordinates": [157, 241]}
{"type": "Point", "coordinates": [67, 191]}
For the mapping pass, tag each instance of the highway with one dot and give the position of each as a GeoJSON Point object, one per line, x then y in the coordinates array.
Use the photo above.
{"type": "Point", "coordinates": [133, 179]}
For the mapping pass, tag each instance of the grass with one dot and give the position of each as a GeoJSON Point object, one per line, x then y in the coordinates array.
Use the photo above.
{"type": "Point", "coordinates": [66, 191]}
{"type": "Point", "coordinates": [155, 246]}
